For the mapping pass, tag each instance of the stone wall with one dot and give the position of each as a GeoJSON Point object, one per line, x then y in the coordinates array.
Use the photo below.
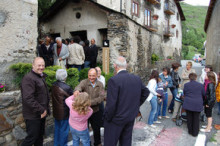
{"type": "Point", "coordinates": [12, 126]}
{"type": "Point", "coordinates": [18, 34]}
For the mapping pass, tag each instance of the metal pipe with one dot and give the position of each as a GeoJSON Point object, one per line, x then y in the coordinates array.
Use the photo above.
{"type": "Point", "coordinates": [121, 6]}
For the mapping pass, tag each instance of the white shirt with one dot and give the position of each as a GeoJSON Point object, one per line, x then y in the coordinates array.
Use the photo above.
{"type": "Point", "coordinates": [152, 84]}
{"type": "Point", "coordinates": [101, 79]}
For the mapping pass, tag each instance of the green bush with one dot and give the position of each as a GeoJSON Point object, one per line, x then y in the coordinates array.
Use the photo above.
{"type": "Point", "coordinates": [154, 58]}
{"type": "Point", "coordinates": [107, 77]}
{"type": "Point", "coordinates": [83, 74]}
{"type": "Point", "coordinates": [73, 77]}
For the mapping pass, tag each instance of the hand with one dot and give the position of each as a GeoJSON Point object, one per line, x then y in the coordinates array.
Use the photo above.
{"type": "Point", "coordinates": [76, 93]}
{"type": "Point", "coordinates": [206, 106]}
{"type": "Point", "coordinates": [44, 114]}
{"type": "Point", "coordinates": [166, 83]}
{"type": "Point", "coordinates": [158, 94]}
{"type": "Point", "coordinates": [60, 59]}
{"type": "Point", "coordinates": [179, 85]}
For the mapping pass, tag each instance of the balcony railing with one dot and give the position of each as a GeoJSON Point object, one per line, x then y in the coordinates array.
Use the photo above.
{"type": "Point", "coordinates": [154, 1]}
{"type": "Point", "coordinates": [169, 8]}
{"type": "Point", "coordinates": [153, 26]}
{"type": "Point", "coordinates": [168, 31]}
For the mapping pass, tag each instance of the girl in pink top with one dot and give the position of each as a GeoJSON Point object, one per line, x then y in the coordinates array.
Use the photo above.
{"type": "Point", "coordinates": [80, 112]}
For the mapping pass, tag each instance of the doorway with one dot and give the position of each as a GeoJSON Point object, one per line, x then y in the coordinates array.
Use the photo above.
{"type": "Point", "coordinates": [82, 34]}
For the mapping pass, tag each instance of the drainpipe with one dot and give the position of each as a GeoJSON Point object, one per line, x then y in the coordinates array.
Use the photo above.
{"type": "Point", "coordinates": [121, 6]}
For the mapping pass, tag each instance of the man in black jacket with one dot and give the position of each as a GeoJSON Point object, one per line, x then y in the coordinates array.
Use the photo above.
{"type": "Point", "coordinates": [93, 54]}
{"type": "Point", "coordinates": [125, 94]}
{"type": "Point", "coordinates": [35, 103]}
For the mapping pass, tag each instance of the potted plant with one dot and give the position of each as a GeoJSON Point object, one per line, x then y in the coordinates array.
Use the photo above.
{"type": "Point", "coordinates": [173, 25]}
{"type": "Point", "coordinates": [2, 87]}
{"type": "Point", "coordinates": [155, 17]}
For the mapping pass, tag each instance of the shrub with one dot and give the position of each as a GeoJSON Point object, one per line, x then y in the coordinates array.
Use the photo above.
{"type": "Point", "coordinates": [154, 58]}
{"type": "Point", "coordinates": [107, 77]}
{"type": "Point", "coordinates": [83, 74]}
{"type": "Point", "coordinates": [73, 77]}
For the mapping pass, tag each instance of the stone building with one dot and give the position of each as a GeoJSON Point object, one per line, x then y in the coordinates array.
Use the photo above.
{"type": "Point", "coordinates": [134, 28]}
{"type": "Point", "coordinates": [212, 28]}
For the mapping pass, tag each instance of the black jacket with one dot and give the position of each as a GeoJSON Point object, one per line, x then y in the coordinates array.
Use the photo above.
{"type": "Point", "coordinates": [175, 79]}
{"type": "Point", "coordinates": [35, 96]}
{"type": "Point", "coordinates": [87, 53]}
{"type": "Point", "coordinates": [93, 55]}
{"type": "Point", "coordinates": [47, 55]}
{"type": "Point", "coordinates": [210, 95]}
{"type": "Point", "coordinates": [125, 94]}
{"type": "Point", "coordinates": [60, 91]}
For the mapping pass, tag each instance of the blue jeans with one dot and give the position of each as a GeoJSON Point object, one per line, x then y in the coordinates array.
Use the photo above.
{"type": "Point", "coordinates": [153, 113]}
{"type": "Point", "coordinates": [164, 108]}
{"type": "Point", "coordinates": [218, 107]}
{"type": "Point", "coordinates": [61, 132]}
{"type": "Point", "coordinates": [174, 93]}
{"type": "Point", "coordinates": [87, 64]}
{"type": "Point", "coordinates": [79, 67]}
{"type": "Point", "coordinates": [80, 135]}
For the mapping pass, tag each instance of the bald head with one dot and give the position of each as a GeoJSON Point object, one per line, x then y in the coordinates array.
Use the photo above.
{"type": "Point", "coordinates": [99, 71]}
{"type": "Point", "coordinates": [38, 65]}
{"type": "Point", "coordinates": [92, 41]}
{"type": "Point", "coordinates": [92, 75]}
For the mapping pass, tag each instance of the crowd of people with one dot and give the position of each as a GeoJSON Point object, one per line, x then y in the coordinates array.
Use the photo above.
{"type": "Point", "coordinates": [76, 109]}
{"type": "Point", "coordinates": [68, 53]}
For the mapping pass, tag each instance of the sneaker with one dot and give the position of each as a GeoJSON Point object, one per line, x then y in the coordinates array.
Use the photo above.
{"type": "Point", "coordinates": [205, 130]}
{"type": "Point", "coordinates": [204, 126]}
{"type": "Point", "coordinates": [153, 126]}
{"type": "Point", "coordinates": [159, 117]}
{"type": "Point", "coordinates": [166, 117]}
{"type": "Point", "coordinates": [157, 122]}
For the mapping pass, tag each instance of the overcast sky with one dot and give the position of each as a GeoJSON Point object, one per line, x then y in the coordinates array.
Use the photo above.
{"type": "Point", "coordinates": [197, 2]}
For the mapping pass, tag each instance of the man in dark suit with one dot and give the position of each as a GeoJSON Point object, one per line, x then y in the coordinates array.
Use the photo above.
{"type": "Point", "coordinates": [125, 94]}
{"type": "Point", "coordinates": [46, 51]}
{"type": "Point", "coordinates": [93, 54]}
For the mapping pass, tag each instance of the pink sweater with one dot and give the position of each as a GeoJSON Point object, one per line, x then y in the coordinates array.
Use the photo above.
{"type": "Point", "coordinates": [76, 121]}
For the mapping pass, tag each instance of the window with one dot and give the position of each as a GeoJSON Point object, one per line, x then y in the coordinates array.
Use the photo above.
{"type": "Point", "coordinates": [147, 17]}
{"type": "Point", "coordinates": [177, 16]}
{"type": "Point", "coordinates": [177, 33]}
{"type": "Point", "coordinates": [135, 8]}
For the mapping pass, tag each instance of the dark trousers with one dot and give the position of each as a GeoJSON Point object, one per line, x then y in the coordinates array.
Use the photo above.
{"type": "Point", "coordinates": [35, 132]}
{"type": "Point", "coordinates": [193, 122]}
{"type": "Point", "coordinates": [95, 121]}
{"type": "Point", "coordinates": [79, 67]}
{"type": "Point", "coordinates": [114, 133]}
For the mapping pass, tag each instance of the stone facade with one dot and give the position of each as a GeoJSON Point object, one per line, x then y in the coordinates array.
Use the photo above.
{"type": "Point", "coordinates": [12, 126]}
{"type": "Point", "coordinates": [127, 33]}
{"type": "Point", "coordinates": [18, 34]}
{"type": "Point", "coordinates": [213, 35]}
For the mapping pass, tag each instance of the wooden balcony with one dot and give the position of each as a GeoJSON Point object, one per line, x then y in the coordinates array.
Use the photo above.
{"type": "Point", "coordinates": [168, 31]}
{"type": "Point", "coordinates": [154, 2]}
{"type": "Point", "coordinates": [169, 8]}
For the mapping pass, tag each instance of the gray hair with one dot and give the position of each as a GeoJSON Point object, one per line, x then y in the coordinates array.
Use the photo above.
{"type": "Point", "coordinates": [121, 62]}
{"type": "Point", "coordinates": [59, 39]}
{"type": "Point", "coordinates": [61, 74]}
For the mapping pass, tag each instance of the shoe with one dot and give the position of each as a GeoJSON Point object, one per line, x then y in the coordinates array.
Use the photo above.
{"type": "Point", "coordinates": [174, 119]}
{"type": "Point", "coordinates": [157, 122]}
{"type": "Point", "coordinates": [204, 126]}
{"type": "Point", "coordinates": [159, 117]}
{"type": "Point", "coordinates": [205, 130]}
{"type": "Point", "coordinates": [170, 111]}
{"type": "Point", "coordinates": [166, 117]}
{"type": "Point", "coordinates": [153, 126]}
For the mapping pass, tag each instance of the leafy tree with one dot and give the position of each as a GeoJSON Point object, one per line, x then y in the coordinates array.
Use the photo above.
{"type": "Point", "coordinates": [44, 5]}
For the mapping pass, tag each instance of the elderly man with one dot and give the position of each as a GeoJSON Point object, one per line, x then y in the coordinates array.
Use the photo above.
{"type": "Point", "coordinates": [35, 103]}
{"type": "Point", "coordinates": [60, 91]}
{"type": "Point", "coordinates": [77, 57]}
{"type": "Point", "coordinates": [125, 94]}
{"type": "Point", "coordinates": [95, 90]}
{"type": "Point", "coordinates": [61, 53]}
{"type": "Point", "coordinates": [93, 53]}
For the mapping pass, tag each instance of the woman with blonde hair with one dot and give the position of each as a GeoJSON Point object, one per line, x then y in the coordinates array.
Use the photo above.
{"type": "Point", "coordinates": [186, 72]}
{"type": "Point", "coordinates": [80, 111]}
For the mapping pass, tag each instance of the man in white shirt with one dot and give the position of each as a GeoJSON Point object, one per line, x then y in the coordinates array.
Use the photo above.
{"type": "Point", "coordinates": [100, 77]}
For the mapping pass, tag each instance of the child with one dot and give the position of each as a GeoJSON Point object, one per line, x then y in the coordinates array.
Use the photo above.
{"type": "Point", "coordinates": [218, 93]}
{"type": "Point", "coordinates": [160, 90]}
{"type": "Point", "coordinates": [177, 103]}
{"type": "Point", "coordinates": [80, 112]}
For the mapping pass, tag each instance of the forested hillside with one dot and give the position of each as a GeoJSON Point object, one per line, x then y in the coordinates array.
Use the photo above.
{"type": "Point", "coordinates": [193, 30]}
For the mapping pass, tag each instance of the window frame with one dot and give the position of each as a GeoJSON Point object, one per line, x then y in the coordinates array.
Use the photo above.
{"type": "Point", "coordinates": [135, 7]}
{"type": "Point", "coordinates": [147, 22]}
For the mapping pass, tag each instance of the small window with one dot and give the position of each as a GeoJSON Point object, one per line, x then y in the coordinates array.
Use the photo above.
{"type": "Point", "coordinates": [177, 33]}
{"type": "Point", "coordinates": [147, 17]}
{"type": "Point", "coordinates": [177, 16]}
{"type": "Point", "coordinates": [135, 8]}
